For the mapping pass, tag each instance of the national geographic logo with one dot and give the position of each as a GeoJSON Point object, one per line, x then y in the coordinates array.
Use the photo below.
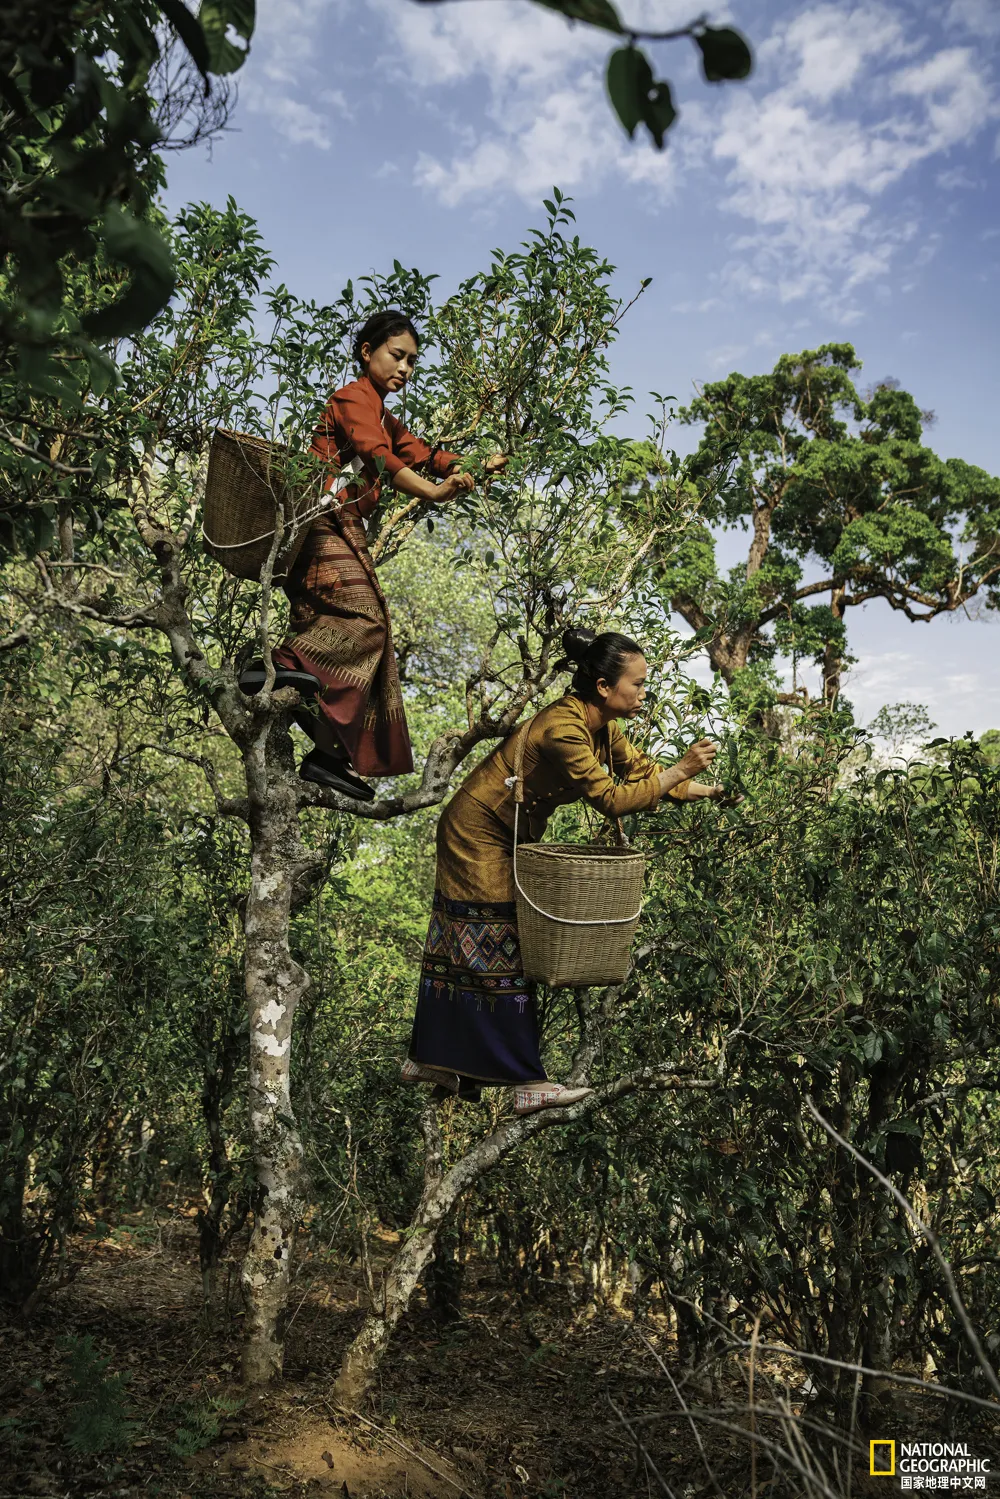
{"type": "Point", "coordinates": [928, 1465]}
{"type": "Point", "coordinates": [882, 1459]}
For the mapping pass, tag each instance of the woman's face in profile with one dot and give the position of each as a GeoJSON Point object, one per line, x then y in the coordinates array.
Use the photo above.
{"type": "Point", "coordinates": [390, 365]}
{"type": "Point", "coordinates": [625, 698]}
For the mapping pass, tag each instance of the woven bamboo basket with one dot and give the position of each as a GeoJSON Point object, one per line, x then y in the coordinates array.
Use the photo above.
{"type": "Point", "coordinates": [244, 488]}
{"type": "Point", "coordinates": [578, 905]}
{"type": "Point", "coordinates": [577, 910]}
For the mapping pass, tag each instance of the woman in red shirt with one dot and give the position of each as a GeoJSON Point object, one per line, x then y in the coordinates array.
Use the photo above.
{"type": "Point", "coordinates": [340, 646]}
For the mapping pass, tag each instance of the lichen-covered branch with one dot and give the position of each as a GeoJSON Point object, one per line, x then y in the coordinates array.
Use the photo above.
{"type": "Point", "coordinates": [442, 1189]}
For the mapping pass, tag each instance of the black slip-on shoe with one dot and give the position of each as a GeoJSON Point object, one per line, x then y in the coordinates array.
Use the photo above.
{"type": "Point", "coordinates": [326, 771]}
{"type": "Point", "coordinates": [253, 677]}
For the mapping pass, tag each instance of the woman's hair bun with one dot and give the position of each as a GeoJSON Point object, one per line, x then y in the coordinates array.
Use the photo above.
{"type": "Point", "coordinates": [576, 642]}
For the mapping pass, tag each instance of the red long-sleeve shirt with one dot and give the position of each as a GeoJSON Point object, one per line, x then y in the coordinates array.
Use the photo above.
{"type": "Point", "coordinates": [357, 425]}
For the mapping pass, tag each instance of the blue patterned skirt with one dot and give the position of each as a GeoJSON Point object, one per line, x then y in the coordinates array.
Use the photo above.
{"type": "Point", "coordinates": [476, 1013]}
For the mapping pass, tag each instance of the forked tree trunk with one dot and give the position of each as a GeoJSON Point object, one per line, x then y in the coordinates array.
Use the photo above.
{"type": "Point", "coordinates": [833, 652]}
{"type": "Point", "coordinates": [220, 1068]}
{"type": "Point", "coordinates": [442, 1190]}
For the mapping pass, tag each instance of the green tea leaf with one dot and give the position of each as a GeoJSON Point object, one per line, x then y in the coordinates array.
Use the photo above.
{"type": "Point", "coordinates": [629, 79]}
{"type": "Point", "coordinates": [592, 12]}
{"type": "Point", "coordinates": [659, 113]}
{"type": "Point", "coordinates": [725, 55]}
{"type": "Point", "coordinates": [189, 29]}
{"type": "Point", "coordinates": [139, 246]}
{"type": "Point", "coordinates": [217, 18]}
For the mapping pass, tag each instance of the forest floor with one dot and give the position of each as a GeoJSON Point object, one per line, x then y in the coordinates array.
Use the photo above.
{"type": "Point", "coordinates": [515, 1400]}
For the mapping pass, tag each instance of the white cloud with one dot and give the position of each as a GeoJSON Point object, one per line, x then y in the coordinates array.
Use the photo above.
{"type": "Point", "coordinates": [558, 143]}
{"type": "Point", "coordinates": [982, 17]}
{"type": "Point", "coordinates": [726, 355]}
{"type": "Point", "coordinates": [848, 99]}
{"type": "Point", "coordinates": [506, 42]}
{"type": "Point", "coordinates": [542, 115]}
{"type": "Point", "coordinates": [956, 700]}
{"type": "Point", "coordinates": [954, 178]}
{"type": "Point", "coordinates": [956, 98]}
{"type": "Point", "coordinates": [284, 81]}
{"type": "Point", "coordinates": [300, 124]}
{"type": "Point", "coordinates": [848, 115]}
{"type": "Point", "coordinates": [830, 48]}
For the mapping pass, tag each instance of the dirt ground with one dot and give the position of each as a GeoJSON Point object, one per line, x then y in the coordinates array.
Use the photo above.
{"type": "Point", "coordinates": [514, 1400]}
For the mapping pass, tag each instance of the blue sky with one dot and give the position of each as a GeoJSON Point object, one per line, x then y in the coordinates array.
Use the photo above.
{"type": "Point", "coordinates": [848, 191]}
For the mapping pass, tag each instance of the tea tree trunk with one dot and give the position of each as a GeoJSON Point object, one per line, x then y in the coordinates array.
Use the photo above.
{"type": "Point", "coordinates": [274, 985]}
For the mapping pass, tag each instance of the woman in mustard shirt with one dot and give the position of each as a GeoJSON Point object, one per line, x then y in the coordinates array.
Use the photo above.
{"type": "Point", "coordinates": [476, 1019]}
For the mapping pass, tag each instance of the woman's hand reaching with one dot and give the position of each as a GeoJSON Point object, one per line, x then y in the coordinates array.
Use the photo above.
{"type": "Point", "coordinates": [714, 793]}
{"type": "Point", "coordinates": [698, 758]}
{"type": "Point", "coordinates": [453, 485]}
{"type": "Point", "coordinates": [459, 482]}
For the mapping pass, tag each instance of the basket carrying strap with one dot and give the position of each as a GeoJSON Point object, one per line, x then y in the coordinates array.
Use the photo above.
{"type": "Point", "coordinates": [616, 822]}
{"type": "Point", "coordinates": [517, 782]}
{"type": "Point", "coordinates": [323, 507]}
{"type": "Point", "coordinates": [326, 505]}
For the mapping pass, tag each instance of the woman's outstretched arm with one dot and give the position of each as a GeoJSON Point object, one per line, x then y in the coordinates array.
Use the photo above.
{"type": "Point", "coordinates": [698, 758]}
{"type": "Point", "coordinates": [674, 781]}
{"type": "Point", "coordinates": [411, 453]}
{"type": "Point", "coordinates": [408, 481]}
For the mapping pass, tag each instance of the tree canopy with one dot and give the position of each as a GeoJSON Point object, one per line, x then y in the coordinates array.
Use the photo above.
{"type": "Point", "coordinates": [831, 481]}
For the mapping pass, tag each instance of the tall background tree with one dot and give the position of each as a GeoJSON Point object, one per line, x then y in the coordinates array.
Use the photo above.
{"type": "Point", "coordinates": [842, 502]}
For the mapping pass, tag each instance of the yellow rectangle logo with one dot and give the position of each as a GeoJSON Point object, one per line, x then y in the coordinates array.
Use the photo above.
{"type": "Point", "coordinates": [882, 1457]}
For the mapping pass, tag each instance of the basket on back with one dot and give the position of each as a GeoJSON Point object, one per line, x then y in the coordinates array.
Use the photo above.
{"type": "Point", "coordinates": [246, 484]}
{"type": "Point", "coordinates": [578, 905]}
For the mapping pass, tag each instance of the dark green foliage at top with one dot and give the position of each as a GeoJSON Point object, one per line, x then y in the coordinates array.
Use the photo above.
{"type": "Point", "coordinates": [83, 91]}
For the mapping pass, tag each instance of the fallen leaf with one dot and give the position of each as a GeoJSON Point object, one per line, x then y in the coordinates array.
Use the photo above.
{"type": "Point", "coordinates": [327, 1458]}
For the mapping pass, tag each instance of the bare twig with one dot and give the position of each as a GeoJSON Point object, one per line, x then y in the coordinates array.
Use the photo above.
{"type": "Point", "coordinates": [22, 635]}
{"type": "Point", "coordinates": [390, 1436]}
{"type": "Point", "coordinates": [39, 457]}
{"type": "Point", "coordinates": [646, 1457]}
{"type": "Point", "coordinates": [941, 1392]}
{"type": "Point", "coordinates": [228, 806]}
{"type": "Point", "coordinates": [690, 1418]}
{"type": "Point", "coordinates": [932, 1241]}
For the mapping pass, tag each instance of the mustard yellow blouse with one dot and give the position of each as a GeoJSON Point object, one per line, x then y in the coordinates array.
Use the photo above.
{"type": "Point", "coordinates": [562, 764]}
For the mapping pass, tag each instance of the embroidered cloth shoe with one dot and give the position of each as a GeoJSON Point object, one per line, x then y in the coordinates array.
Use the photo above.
{"type": "Point", "coordinates": [337, 774]}
{"type": "Point", "coordinates": [530, 1098]}
{"type": "Point", "coordinates": [253, 676]}
{"type": "Point", "coordinates": [416, 1072]}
